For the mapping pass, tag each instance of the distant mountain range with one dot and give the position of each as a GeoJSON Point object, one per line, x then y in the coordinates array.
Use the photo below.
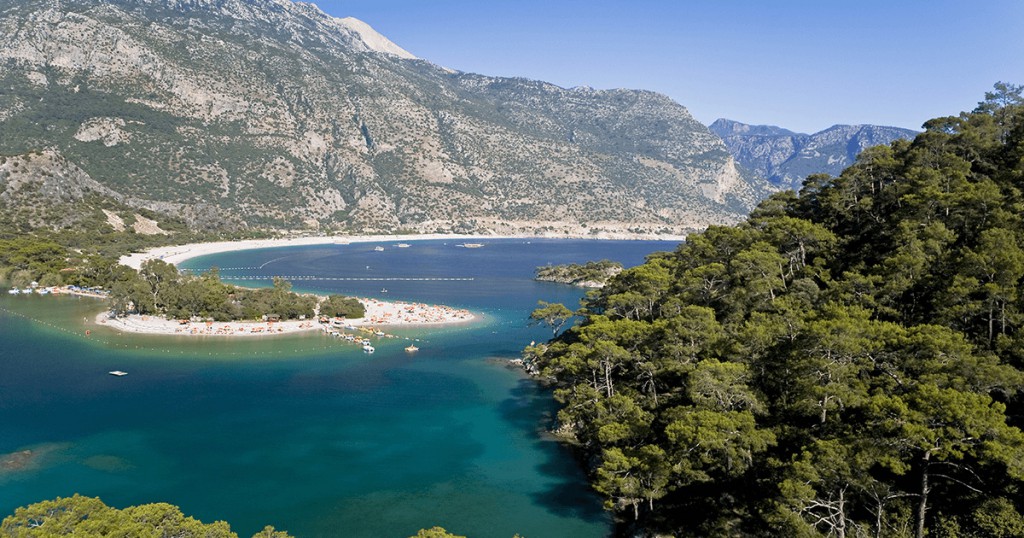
{"type": "Point", "coordinates": [272, 114]}
{"type": "Point", "coordinates": [785, 158]}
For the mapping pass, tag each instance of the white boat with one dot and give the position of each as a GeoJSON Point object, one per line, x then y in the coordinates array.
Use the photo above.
{"type": "Point", "coordinates": [383, 290]}
{"type": "Point", "coordinates": [471, 245]}
{"type": "Point", "coordinates": [14, 291]}
{"type": "Point", "coordinates": [412, 348]}
{"type": "Point", "coordinates": [403, 245]}
{"type": "Point", "coordinates": [368, 348]}
{"type": "Point", "coordinates": [117, 373]}
{"type": "Point", "coordinates": [378, 333]}
{"type": "Point", "coordinates": [378, 249]}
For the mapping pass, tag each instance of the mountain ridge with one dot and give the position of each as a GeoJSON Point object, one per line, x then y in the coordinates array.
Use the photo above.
{"type": "Point", "coordinates": [281, 116]}
{"type": "Point", "coordinates": [785, 158]}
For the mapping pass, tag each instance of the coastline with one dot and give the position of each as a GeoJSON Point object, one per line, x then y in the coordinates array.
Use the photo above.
{"type": "Point", "coordinates": [175, 255]}
{"type": "Point", "coordinates": [378, 314]}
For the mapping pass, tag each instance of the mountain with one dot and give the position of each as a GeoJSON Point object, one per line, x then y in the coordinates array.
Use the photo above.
{"type": "Point", "coordinates": [785, 158]}
{"type": "Point", "coordinates": [273, 114]}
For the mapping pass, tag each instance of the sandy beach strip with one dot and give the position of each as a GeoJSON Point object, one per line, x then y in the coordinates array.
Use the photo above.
{"type": "Point", "coordinates": [378, 314]}
{"type": "Point", "coordinates": [178, 254]}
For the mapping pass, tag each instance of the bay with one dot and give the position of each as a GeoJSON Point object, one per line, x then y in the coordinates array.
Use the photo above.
{"type": "Point", "coordinates": [303, 432]}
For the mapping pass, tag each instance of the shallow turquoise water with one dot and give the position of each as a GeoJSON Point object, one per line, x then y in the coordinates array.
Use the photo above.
{"type": "Point", "coordinates": [303, 432]}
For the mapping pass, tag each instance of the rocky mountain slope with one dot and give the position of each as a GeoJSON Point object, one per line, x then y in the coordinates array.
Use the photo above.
{"type": "Point", "coordinates": [785, 158]}
{"type": "Point", "coordinates": [268, 113]}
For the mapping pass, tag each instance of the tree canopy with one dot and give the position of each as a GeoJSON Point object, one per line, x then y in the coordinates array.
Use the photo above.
{"type": "Point", "coordinates": [846, 362]}
{"type": "Point", "coordinates": [89, 517]}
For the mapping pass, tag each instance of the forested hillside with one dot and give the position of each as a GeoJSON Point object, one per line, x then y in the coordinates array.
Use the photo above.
{"type": "Point", "coordinates": [847, 362]}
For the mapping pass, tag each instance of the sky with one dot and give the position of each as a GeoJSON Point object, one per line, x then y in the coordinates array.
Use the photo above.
{"type": "Point", "coordinates": [800, 64]}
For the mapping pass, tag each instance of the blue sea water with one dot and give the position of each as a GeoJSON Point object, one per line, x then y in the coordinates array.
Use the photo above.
{"type": "Point", "coordinates": [303, 432]}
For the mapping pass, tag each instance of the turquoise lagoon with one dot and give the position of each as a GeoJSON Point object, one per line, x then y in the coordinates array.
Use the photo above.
{"type": "Point", "coordinates": [303, 432]}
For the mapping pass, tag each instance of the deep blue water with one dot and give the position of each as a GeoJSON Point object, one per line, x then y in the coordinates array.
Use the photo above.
{"type": "Point", "coordinates": [303, 432]}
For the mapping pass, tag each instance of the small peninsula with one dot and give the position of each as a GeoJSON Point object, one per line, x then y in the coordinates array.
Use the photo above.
{"type": "Point", "coordinates": [587, 275]}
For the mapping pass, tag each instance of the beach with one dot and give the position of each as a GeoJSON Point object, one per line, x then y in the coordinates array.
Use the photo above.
{"type": "Point", "coordinates": [378, 313]}
{"type": "Point", "coordinates": [177, 254]}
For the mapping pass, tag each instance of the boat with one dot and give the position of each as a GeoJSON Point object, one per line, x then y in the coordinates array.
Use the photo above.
{"type": "Point", "coordinates": [118, 373]}
{"type": "Point", "coordinates": [378, 333]}
{"type": "Point", "coordinates": [472, 245]}
{"type": "Point", "coordinates": [412, 348]}
{"type": "Point", "coordinates": [368, 348]}
{"type": "Point", "coordinates": [383, 290]}
{"type": "Point", "coordinates": [378, 249]}
{"type": "Point", "coordinates": [403, 245]}
{"type": "Point", "coordinates": [14, 291]}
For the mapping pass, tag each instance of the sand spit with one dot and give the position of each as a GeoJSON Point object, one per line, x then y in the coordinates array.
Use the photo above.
{"type": "Point", "coordinates": [378, 313]}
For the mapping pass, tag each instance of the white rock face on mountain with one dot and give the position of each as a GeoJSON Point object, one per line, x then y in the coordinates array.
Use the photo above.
{"type": "Point", "coordinates": [275, 114]}
{"type": "Point", "coordinates": [373, 40]}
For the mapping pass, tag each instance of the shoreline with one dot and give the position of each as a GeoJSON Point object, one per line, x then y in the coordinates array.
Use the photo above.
{"type": "Point", "coordinates": [177, 254]}
{"type": "Point", "coordinates": [378, 314]}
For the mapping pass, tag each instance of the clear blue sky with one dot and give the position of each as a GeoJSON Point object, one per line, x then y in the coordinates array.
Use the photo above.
{"type": "Point", "coordinates": [803, 65]}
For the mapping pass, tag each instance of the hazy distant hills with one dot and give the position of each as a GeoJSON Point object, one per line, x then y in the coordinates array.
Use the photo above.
{"type": "Point", "coordinates": [785, 158]}
{"type": "Point", "coordinates": [273, 114]}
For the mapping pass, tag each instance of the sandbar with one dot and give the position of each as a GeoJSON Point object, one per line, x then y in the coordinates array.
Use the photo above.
{"type": "Point", "coordinates": [378, 313]}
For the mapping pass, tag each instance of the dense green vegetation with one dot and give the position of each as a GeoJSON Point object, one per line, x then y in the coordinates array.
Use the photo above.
{"type": "Point", "coordinates": [338, 306]}
{"type": "Point", "coordinates": [590, 274]}
{"type": "Point", "coordinates": [87, 256]}
{"type": "Point", "coordinates": [158, 288]}
{"type": "Point", "coordinates": [90, 517]}
{"type": "Point", "coordinates": [847, 362]}
{"type": "Point", "coordinates": [86, 252]}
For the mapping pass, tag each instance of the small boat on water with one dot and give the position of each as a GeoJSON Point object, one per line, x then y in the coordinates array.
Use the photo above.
{"type": "Point", "coordinates": [367, 348]}
{"type": "Point", "coordinates": [378, 249]}
{"type": "Point", "coordinates": [412, 348]}
{"type": "Point", "coordinates": [14, 291]}
{"type": "Point", "coordinates": [117, 373]}
{"type": "Point", "coordinates": [383, 290]}
{"type": "Point", "coordinates": [403, 245]}
{"type": "Point", "coordinates": [471, 245]}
